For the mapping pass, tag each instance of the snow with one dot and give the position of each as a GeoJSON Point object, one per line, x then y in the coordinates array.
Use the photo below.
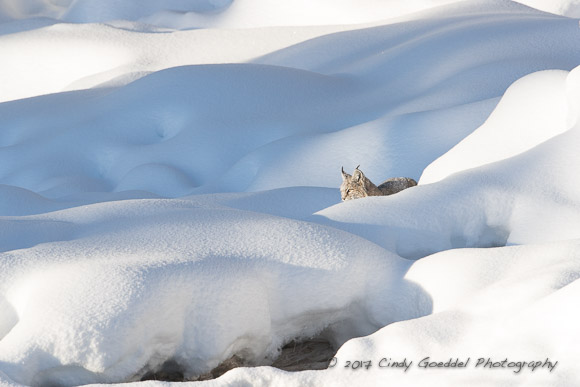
{"type": "Point", "coordinates": [169, 177]}
{"type": "Point", "coordinates": [533, 110]}
{"type": "Point", "coordinates": [507, 303]}
{"type": "Point", "coordinates": [159, 307]}
{"type": "Point", "coordinates": [560, 7]}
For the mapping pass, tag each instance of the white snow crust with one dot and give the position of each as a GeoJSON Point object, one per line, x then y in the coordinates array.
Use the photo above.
{"type": "Point", "coordinates": [169, 176]}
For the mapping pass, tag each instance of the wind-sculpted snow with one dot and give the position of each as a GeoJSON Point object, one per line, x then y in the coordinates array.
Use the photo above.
{"type": "Point", "coordinates": [507, 308]}
{"type": "Point", "coordinates": [172, 196]}
{"type": "Point", "coordinates": [533, 110]}
{"type": "Point", "coordinates": [525, 189]}
{"type": "Point", "coordinates": [187, 14]}
{"type": "Point", "coordinates": [405, 84]}
{"type": "Point", "coordinates": [139, 282]}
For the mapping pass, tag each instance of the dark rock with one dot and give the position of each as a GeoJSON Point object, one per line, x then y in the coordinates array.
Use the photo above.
{"type": "Point", "coordinates": [310, 354]}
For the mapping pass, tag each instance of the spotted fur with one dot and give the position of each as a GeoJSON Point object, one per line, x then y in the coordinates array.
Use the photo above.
{"type": "Point", "coordinates": [358, 186]}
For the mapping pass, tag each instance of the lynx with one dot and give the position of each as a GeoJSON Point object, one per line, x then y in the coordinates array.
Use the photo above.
{"type": "Point", "coordinates": [359, 186]}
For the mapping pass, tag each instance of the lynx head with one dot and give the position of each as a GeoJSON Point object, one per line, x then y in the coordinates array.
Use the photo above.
{"type": "Point", "coordinates": [355, 186]}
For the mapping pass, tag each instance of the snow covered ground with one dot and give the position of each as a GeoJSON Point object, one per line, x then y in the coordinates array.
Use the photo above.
{"type": "Point", "coordinates": [169, 176]}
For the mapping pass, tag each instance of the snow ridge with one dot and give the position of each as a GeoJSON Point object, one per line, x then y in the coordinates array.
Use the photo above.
{"type": "Point", "coordinates": [171, 194]}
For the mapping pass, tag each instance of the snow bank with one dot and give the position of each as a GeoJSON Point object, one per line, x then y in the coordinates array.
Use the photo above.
{"type": "Point", "coordinates": [526, 198]}
{"type": "Point", "coordinates": [62, 57]}
{"type": "Point", "coordinates": [271, 119]}
{"type": "Point", "coordinates": [186, 14]}
{"type": "Point", "coordinates": [570, 8]}
{"type": "Point", "coordinates": [49, 60]}
{"type": "Point", "coordinates": [140, 282]}
{"type": "Point", "coordinates": [510, 303]}
{"type": "Point", "coordinates": [533, 110]}
{"type": "Point", "coordinates": [179, 201]}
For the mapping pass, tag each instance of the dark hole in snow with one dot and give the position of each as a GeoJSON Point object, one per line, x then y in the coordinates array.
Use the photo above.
{"type": "Point", "coordinates": [310, 354]}
{"type": "Point", "coordinates": [170, 372]}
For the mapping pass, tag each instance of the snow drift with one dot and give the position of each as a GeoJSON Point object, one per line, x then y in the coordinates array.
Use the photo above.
{"type": "Point", "coordinates": [121, 312]}
{"type": "Point", "coordinates": [173, 195]}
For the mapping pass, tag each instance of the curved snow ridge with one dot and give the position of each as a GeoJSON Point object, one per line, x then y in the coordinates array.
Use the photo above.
{"type": "Point", "coordinates": [243, 123]}
{"type": "Point", "coordinates": [91, 11]}
{"type": "Point", "coordinates": [569, 8]}
{"type": "Point", "coordinates": [251, 286]}
{"type": "Point", "coordinates": [19, 201]}
{"type": "Point", "coordinates": [457, 213]}
{"type": "Point", "coordinates": [48, 60]}
{"type": "Point", "coordinates": [526, 147]}
{"type": "Point", "coordinates": [507, 310]}
{"type": "Point", "coordinates": [186, 14]}
{"type": "Point", "coordinates": [532, 110]}
{"type": "Point", "coordinates": [82, 11]}
{"type": "Point", "coordinates": [65, 57]}
{"type": "Point", "coordinates": [573, 95]}
{"type": "Point", "coordinates": [527, 198]}
{"type": "Point", "coordinates": [105, 292]}
{"type": "Point", "coordinates": [115, 54]}
{"type": "Point", "coordinates": [517, 299]}
{"type": "Point", "coordinates": [442, 60]}
{"type": "Point", "coordinates": [169, 132]}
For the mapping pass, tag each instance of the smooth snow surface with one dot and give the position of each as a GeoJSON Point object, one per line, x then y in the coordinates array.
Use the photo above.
{"type": "Point", "coordinates": [570, 8]}
{"type": "Point", "coordinates": [169, 177]}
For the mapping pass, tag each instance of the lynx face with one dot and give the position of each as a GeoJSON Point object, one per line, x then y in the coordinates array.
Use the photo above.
{"type": "Point", "coordinates": [356, 186]}
{"type": "Point", "coordinates": [350, 189]}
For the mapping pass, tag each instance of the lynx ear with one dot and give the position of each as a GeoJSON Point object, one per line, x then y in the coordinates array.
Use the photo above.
{"type": "Point", "coordinates": [345, 175]}
{"type": "Point", "coordinates": [357, 175]}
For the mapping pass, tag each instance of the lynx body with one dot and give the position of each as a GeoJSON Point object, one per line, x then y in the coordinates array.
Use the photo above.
{"type": "Point", "coordinates": [358, 186]}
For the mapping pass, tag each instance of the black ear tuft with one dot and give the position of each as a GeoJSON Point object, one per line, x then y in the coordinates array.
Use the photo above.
{"type": "Point", "coordinates": [344, 174]}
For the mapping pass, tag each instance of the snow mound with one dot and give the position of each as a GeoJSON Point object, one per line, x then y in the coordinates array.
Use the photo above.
{"type": "Point", "coordinates": [173, 195]}
{"type": "Point", "coordinates": [533, 110]}
{"type": "Point", "coordinates": [570, 8]}
{"type": "Point", "coordinates": [527, 198]}
{"type": "Point", "coordinates": [66, 57]}
{"type": "Point", "coordinates": [186, 14]}
{"type": "Point", "coordinates": [116, 314]}
{"type": "Point", "coordinates": [535, 284]}
{"type": "Point", "coordinates": [517, 298]}
{"type": "Point", "coordinates": [260, 125]}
